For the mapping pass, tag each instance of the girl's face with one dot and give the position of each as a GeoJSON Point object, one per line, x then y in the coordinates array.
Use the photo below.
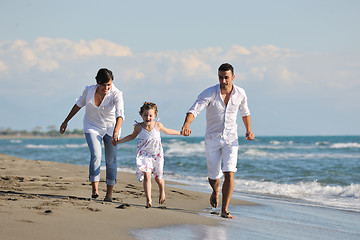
{"type": "Point", "coordinates": [148, 116]}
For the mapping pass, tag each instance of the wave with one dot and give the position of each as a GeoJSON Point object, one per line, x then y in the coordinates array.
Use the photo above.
{"type": "Point", "coordinates": [275, 142]}
{"type": "Point", "coordinates": [183, 149]}
{"type": "Point", "coordinates": [257, 153]}
{"type": "Point", "coordinates": [325, 143]}
{"type": "Point", "coordinates": [43, 146]}
{"type": "Point", "coordinates": [311, 193]}
{"type": "Point", "coordinates": [343, 197]}
{"type": "Point", "coordinates": [345, 145]}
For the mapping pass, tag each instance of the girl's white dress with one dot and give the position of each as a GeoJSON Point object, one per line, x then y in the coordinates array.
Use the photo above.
{"type": "Point", "coordinates": [150, 155]}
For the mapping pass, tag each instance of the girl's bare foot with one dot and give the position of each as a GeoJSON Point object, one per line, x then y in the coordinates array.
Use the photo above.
{"type": "Point", "coordinates": [162, 197]}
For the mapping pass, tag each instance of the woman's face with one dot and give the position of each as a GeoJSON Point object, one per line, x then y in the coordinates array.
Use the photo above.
{"type": "Point", "coordinates": [104, 88]}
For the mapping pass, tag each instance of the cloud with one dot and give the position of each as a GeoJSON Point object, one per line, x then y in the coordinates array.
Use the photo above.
{"type": "Point", "coordinates": [56, 63]}
{"type": "Point", "coordinates": [133, 74]}
{"type": "Point", "coordinates": [52, 72]}
{"type": "Point", "coordinates": [99, 47]}
{"type": "Point", "coordinates": [47, 54]}
{"type": "Point", "coordinates": [3, 67]}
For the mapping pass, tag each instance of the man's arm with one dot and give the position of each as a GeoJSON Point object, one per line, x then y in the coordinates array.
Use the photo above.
{"type": "Point", "coordinates": [247, 122]}
{"type": "Point", "coordinates": [185, 130]}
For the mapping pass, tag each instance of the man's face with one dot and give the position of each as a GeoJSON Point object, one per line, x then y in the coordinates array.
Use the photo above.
{"type": "Point", "coordinates": [225, 79]}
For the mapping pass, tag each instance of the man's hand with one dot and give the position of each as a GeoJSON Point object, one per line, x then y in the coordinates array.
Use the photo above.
{"type": "Point", "coordinates": [185, 131]}
{"type": "Point", "coordinates": [249, 136]}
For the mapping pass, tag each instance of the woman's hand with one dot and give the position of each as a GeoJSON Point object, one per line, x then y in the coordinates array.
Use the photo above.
{"type": "Point", "coordinates": [63, 127]}
{"type": "Point", "coordinates": [115, 139]}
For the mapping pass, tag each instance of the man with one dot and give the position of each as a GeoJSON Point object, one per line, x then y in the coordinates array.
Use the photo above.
{"type": "Point", "coordinates": [222, 103]}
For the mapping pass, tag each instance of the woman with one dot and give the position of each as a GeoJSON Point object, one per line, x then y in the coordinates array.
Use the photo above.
{"type": "Point", "coordinates": [104, 114]}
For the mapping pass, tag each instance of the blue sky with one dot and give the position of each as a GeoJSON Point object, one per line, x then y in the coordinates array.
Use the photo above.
{"type": "Point", "coordinates": [299, 61]}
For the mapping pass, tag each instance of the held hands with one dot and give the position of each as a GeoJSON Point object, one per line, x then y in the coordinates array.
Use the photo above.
{"type": "Point", "coordinates": [185, 131]}
{"type": "Point", "coordinates": [115, 139]}
{"type": "Point", "coordinates": [249, 136]}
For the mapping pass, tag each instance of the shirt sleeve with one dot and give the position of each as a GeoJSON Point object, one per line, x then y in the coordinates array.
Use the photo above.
{"type": "Point", "coordinates": [243, 107]}
{"type": "Point", "coordinates": [201, 102]}
{"type": "Point", "coordinates": [119, 105]}
{"type": "Point", "coordinates": [81, 101]}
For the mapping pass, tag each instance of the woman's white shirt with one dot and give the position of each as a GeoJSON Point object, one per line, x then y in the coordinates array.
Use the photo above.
{"type": "Point", "coordinates": [101, 119]}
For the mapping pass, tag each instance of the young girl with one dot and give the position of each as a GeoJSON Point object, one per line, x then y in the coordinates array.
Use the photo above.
{"type": "Point", "coordinates": [150, 156]}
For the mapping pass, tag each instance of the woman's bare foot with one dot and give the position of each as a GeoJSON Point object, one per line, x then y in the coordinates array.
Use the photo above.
{"type": "Point", "coordinates": [162, 197]}
{"type": "Point", "coordinates": [95, 189]}
{"type": "Point", "coordinates": [108, 198]}
{"type": "Point", "coordinates": [227, 215]}
{"type": "Point", "coordinates": [214, 199]}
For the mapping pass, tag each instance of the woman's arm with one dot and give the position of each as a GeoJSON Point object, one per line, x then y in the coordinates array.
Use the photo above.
{"type": "Point", "coordinates": [167, 131]}
{"type": "Point", "coordinates": [72, 113]}
{"type": "Point", "coordinates": [117, 128]}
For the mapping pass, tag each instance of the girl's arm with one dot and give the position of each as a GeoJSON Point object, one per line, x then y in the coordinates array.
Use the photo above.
{"type": "Point", "coordinates": [167, 131]}
{"type": "Point", "coordinates": [132, 136]}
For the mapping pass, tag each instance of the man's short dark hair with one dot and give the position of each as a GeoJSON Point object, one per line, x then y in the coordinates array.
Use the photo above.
{"type": "Point", "coordinates": [226, 67]}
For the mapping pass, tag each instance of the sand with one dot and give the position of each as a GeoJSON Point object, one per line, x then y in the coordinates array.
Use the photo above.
{"type": "Point", "coordinates": [48, 200]}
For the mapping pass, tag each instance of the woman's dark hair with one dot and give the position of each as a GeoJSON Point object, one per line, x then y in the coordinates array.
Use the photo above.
{"type": "Point", "coordinates": [104, 75]}
{"type": "Point", "coordinates": [226, 67]}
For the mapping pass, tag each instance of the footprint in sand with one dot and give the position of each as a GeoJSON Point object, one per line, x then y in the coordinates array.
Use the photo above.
{"type": "Point", "coordinates": [48, 211]}
{"type": "Point", "coordinates": [93, 209]}
{"type": "Point", "coordinates": [123, 206]}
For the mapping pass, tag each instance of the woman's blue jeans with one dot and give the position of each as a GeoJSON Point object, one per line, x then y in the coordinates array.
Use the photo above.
{"type": "Point", "coordinates": [94, 142]}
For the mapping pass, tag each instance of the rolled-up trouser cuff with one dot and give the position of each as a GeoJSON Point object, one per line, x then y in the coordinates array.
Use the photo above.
{"type": "Point", "coordinates": [95, 178]}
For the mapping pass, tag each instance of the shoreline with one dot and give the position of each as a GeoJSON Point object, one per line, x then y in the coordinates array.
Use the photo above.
{"type": "Point", "coordinates": [39, 198]}
{"type": "Point", "coordinates": [30, 136]}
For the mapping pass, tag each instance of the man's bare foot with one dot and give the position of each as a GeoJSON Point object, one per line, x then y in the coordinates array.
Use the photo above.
{"type": "Point", "coordinates": [214, 200]}
{"type": "Point", "coordinates": [227, 215]}
{"type": "Point", "coordinates": [162, 198]}
{"type": "Point", "coordinates": [148, 205]}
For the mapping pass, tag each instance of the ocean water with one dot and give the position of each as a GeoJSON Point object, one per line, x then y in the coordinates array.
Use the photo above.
{"type": "Point", "coordinates": [274, 219]}
{"type": "Point", "coordinates": [314, 170]}
{"type": "Point", "coordinates": [307, 187]}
